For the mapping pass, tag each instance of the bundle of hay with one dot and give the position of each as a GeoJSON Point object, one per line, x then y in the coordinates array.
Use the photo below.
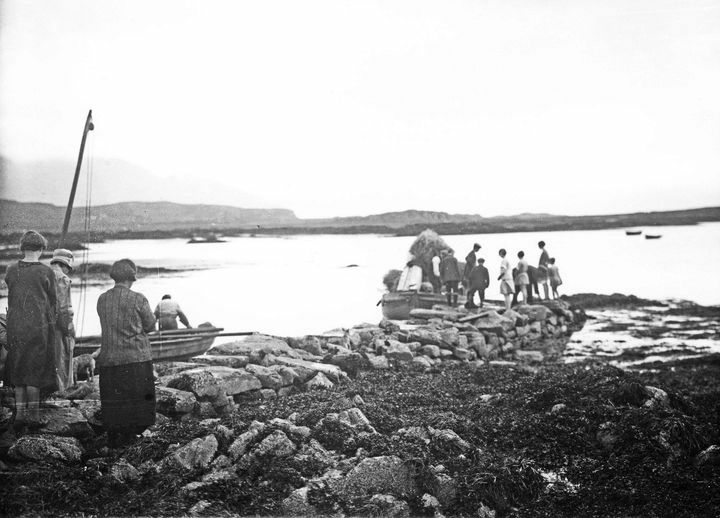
{"type": "Point", "coordinates": [427, 245]}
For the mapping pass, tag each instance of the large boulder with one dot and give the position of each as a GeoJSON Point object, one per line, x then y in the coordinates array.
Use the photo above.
{"type": "Point", "coordinates": [240, 446]}
{"type": "Point", "coordinates": [173, 402]}
{"type": "Point", "coordinates": [44, 446]}
{"type": "Point", "coordinates": [197, 454]}
{"type": "Point", "coordinates": [333, 372]}
{"type": "Point", "coordinates": [350, 362]}
{"type": "Point", "coordinates": [122, 471]}
{"type": "Point", "coordinates": [268, 377]}
{"type": "Point", "coordinates": [297, 504]}
{"type": "Point", "coordinates": [172, 368]}
{"type": "Point", "coordinates": [398, 351]}
{"type": "Point", "coordinates": [237, 361]}
{"type": "Point", "coordinates": [276, 444]}
{"type": "Point", "coordinates": [388, 506]}
{"type": "Point", "coordinates": [91, 410]}
{"type": "Point", "coordinates": [710, 456]}
{"type": "Point", "coordinates": [213, 381]}
{"type": "Point", "coordinates": [425, 336]}
{"type": "Point", "coordinates": [433, 351]}
{"type": "Point", "coordinates": [492, 322]}
{"type": "Point", "coordinates": [535, 312]}
{"type": "Point", "coordinates": [254, 344]}
{"type": "Point", "coordinates": [386, 474]}
{"type": "Point", "coordinates": [377, 362]}
{"type": "Point", "coordinates": [65, 421]}
{"type": "Point", "coordinates": [319, 381]}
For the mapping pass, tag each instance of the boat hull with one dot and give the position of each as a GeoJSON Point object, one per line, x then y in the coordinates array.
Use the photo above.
{"type": "Point", "coordinates": [168, 347]}
{"type": "Point", "coordinates": [397, 305]}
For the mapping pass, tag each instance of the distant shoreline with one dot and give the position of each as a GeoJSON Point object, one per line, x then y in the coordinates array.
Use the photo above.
{"type": "Point", "coordinates": [164, 220]}
{"type": "Point", "coordinates": [496, 225]}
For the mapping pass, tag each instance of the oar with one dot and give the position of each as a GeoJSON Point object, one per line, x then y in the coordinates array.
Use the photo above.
{"type": "Point", "coordinates": [173, 336]}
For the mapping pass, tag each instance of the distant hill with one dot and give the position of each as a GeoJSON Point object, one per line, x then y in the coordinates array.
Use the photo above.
{"type": "Point", "coordinates": [137, 216]}
{"type": "Point", "coordinates": [113, 181]}
{"type": "Point", "coordinates": [148, 219]}
{"type": "Point", "coordinates": [394, 219]}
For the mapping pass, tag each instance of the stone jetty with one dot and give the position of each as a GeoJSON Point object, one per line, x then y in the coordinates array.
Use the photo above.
{"type": "Point", "coordinates": [263, 367]}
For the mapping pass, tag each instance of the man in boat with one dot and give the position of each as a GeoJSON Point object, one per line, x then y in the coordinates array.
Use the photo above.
{"type": "Point", "coordinates": [62, 265]}
{"type": "Point", "coordinates": [167, 312]}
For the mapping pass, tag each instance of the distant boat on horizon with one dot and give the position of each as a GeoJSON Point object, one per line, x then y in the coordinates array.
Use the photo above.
{"type": "Point", "coordinates": [210, 238]}
{"type": "Point", "coordinates": [649, 236]}
{"type": "Point", "coordinates": [633, 232]}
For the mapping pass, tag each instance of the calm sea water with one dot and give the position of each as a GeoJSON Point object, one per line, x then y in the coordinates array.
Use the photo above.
{"type": "Point", "coordinates": [301, 284]}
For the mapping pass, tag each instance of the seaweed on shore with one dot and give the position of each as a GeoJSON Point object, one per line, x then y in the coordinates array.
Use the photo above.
{"type": "Point", "coordinates": [522, 426]}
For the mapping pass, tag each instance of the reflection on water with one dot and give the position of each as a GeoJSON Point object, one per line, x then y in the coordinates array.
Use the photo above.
{"type": "Point", "coordinates": [300, 284]}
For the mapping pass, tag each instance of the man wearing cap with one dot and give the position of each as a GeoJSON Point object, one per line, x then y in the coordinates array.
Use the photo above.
{"type": "Point", "coordinates": [167, 312]}
{"type": "Point", "coordinates": [470, 262]}
{"type": "Point", "coordinates": [62, 265]}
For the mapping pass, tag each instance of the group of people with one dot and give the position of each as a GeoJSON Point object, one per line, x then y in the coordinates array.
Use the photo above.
{"type": "Point", "coordinates": [475, 278]}
{"type": "Point", "coordinates": [523, 279]}
{"type": "Point", "coordinates": [40, 340]}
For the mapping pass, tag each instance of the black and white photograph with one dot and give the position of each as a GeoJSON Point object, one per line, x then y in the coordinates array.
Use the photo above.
{"type": "Point", "coordinates": [373, 258]}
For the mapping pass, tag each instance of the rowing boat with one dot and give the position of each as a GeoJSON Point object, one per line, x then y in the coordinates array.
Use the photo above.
{"type": "Point", "coordinates": [397, 305]}
{"type": "Point", "coordinates": [176, 345]}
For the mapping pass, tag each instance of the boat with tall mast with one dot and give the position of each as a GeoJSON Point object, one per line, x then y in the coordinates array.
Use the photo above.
{"type": "Point", "coordinates": [172, 345]}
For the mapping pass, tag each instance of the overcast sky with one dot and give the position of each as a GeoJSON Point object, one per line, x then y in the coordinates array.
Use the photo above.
{"type": "Point", "coordinates": [340, 107]}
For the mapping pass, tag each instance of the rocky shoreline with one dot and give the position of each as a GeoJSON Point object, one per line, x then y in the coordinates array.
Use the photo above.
{"type": "Point", "coordinates": [452, 413]}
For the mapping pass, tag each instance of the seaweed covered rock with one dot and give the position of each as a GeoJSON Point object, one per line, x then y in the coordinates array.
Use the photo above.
{"type": "Point", "coordinates": [384, 474]}
{"type": "Point", "coordinates": [197, 454]}
{"type": "Point", "coordinates": [45, 446]}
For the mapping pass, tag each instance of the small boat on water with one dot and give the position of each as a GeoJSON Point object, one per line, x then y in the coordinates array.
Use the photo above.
{"type": "Point", "coordinates": [176, 345]}
{"type": "Point", "coordinates": [649, 236]}
{"type": "Point", "coordinates": [211, 238]}
{"type": "Point", "coordinates": [633, 232]}
{"type": "Point", "coordinates": [397, 305]}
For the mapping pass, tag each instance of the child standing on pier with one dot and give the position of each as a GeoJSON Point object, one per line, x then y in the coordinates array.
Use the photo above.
{"type": "Point", "coordinates": [554, 275]}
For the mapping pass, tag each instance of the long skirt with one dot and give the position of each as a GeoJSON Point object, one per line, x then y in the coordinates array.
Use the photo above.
{"type": "Point", "coordinates": [127, 396]}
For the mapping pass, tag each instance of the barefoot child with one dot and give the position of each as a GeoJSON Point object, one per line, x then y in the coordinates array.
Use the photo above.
{"type": "Point", "coordinates": [555, 280]}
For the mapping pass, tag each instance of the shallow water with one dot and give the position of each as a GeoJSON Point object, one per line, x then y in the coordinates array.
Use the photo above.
{"type": "Point", "coordinates": [300, 284]}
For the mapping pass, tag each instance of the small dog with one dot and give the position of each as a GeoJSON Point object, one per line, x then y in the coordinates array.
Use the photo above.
{"type": "Point", "coordinates": [85, 365]}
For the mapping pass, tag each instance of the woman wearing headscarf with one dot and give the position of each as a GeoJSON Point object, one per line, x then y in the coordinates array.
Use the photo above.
{"type": "Point", "coordinates": [127, 388]}
{"type": "Point", "coordinates": [32, 312]}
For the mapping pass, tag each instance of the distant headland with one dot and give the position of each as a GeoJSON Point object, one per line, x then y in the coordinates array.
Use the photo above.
{"type": "Point", "coordinates": [149, 220]}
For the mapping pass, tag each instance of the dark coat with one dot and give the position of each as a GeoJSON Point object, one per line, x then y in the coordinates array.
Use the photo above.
{"type": "Point", "coordinates": [470, 262]}
{"type": "Point", "coordinates": [479, 278]}
{"type": "Point", "coordinates": [450, 269]}
{"type": "Point", "coordinates": [32, 313]}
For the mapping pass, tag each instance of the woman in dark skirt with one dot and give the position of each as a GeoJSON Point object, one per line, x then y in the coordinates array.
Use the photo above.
{"type": "Point", "coordinates": [32, 311]}
{"type": "Point", "coordinates": [127, 388]}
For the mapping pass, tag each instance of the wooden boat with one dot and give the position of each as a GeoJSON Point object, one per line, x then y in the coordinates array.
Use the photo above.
{"type": "Point", "coordinates": [649, 236]}
{"type": "Point", "coordinates": [176, 345]}
{"type": "Point", "coordinates": [212, 238]}
{"type": "Point", "coordinates": [633, 232]}
{"type": "Point", "coordinates": [397, 305]}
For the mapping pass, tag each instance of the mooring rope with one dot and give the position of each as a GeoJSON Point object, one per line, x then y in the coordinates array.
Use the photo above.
{"type": "Point", "coordinates": [85, 254]}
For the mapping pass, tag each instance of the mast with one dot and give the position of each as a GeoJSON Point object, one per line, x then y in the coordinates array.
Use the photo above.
{"type": "Point", "coordinates": [89, 126]}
